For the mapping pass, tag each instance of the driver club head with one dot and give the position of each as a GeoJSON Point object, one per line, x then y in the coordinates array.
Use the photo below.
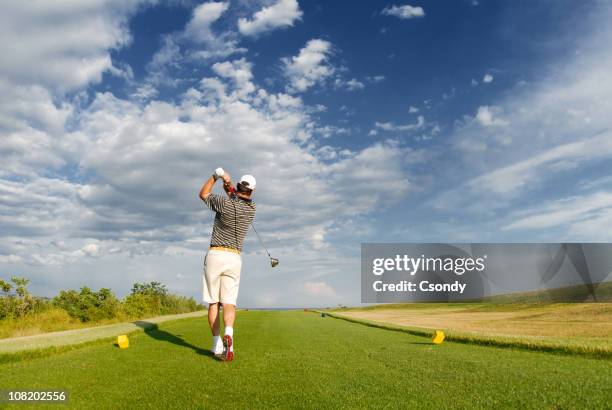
{"type": "Point", "coordinates": [273, 262]}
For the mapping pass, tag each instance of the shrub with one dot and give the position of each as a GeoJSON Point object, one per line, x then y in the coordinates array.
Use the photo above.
{"type": "Point", "coordinates": [139, 305]}
{"type": "Point", "coordinates": [49, 320]}
{"type": "Point", "coordinates": [20, 303]}
{"type": "Point", "coordinates": [153, 299]}
{"type": "Point", "coordinates": [88, 305]}
{"type": "Point", "coordinates": [178, 304]}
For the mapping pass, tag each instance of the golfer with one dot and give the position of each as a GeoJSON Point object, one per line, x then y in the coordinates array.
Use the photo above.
{"type": "Point", "coordinates": [223, 262]}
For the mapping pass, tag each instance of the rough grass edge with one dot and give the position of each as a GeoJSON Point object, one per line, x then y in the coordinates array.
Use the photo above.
{"type": "Point", "coordinates": [48, 351]}
{"type": "Point", "coordinates": [495, 341]}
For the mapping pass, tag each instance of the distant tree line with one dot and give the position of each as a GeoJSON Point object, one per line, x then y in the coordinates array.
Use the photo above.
{"type": "Point", "coordinates": [87, 305]}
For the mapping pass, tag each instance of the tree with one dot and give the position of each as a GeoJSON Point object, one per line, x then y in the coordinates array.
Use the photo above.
{"type": "Point", "coordinates": [153, 289]}
{"type": "Point", "coordinates": [20, 286]}
{"type": "Point", "coordinates": [5, 286]}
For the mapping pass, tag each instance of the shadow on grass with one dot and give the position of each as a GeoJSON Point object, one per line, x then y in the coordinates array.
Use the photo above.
{"type": "Point", "coordinates": [152, 330]}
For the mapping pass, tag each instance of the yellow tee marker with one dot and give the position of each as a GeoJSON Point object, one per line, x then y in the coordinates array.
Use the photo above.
{"type": "Point", "coordinates": [123, 342]}
{"type": "Point", "coordinates": [438, 337]}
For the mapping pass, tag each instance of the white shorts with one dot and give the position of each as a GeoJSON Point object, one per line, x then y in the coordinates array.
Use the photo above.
{"type": "Point", "coordinates": [221, 276]}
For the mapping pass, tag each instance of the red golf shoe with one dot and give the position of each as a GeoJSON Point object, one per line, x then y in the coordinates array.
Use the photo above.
{"type": "Point", "coordinates": [228, 355]}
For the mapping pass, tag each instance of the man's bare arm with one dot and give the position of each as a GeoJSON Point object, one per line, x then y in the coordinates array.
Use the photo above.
{"type": "Point", "coordinates": [207, 187]}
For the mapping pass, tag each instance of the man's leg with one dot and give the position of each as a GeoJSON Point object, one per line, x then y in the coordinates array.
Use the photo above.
{"type": "Point", "coordinates": [213, 318]}
{"type": "Point", "coordinates": [229, 315]}
{"type": "Point", "coordinates": [213, 322]}
{"type": "Point", "coordinates": [230, 280]}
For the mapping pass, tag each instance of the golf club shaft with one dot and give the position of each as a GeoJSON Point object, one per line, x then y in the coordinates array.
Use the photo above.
{"type": "Point", "coordinates": [260, 241]}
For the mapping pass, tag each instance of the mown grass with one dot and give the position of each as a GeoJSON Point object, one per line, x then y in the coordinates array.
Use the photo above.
{"type": "Point", "coordinates": [300, 360]}
{"type": "Point", "coordinates": [599, 348]}
{"type": "Point", "coordinates": [7, 357]}
{"type": "Point", "coordinates": [527, 320]}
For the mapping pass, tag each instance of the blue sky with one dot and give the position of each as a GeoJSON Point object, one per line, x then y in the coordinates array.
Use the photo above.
{"type": "Point", "coordinates": [464, 121]}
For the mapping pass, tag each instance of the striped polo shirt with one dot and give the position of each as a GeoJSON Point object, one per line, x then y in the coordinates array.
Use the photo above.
{"type": "Point", "coordinates": [234, 215]}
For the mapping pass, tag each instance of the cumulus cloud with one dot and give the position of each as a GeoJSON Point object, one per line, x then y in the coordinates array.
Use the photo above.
{"type": "Point", "coordinates": [75, 44]}
{"type": "Point", "coordinates": [209, 44]}
{"type": "Point", "coordinates": [139, 167]}
{"type": "Point", "coordinates": [198, 28]}
{"type": "Point", "coordinates": [350, 85]}
{"type": "Point", "coordinates": [283, 13]}
{"type": "Point", "coordinates": [404, 12]}
{"type": "Point", "coordinates": [487, 117]}
{"type": "Point", "coordinates": [311, 66]}
{"type": "Point", "coordinates": [196, 42]}
{"type": "Point", "coordinates": [487, 79]}
{"type": "Point", "coordinates": [239, 72]}
{"type": "Point", "coordinates": [91, 249]}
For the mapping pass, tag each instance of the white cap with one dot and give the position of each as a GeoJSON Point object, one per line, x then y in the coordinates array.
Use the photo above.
{"type": "Point", "coordinates": [248, 181]}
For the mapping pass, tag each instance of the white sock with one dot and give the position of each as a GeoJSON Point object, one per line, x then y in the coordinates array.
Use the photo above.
{"type": "Point", "coordinates": [229, 331]}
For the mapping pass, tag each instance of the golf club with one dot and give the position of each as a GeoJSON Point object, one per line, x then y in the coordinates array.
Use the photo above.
{"type": "Point", "coordinates": [273, 261]}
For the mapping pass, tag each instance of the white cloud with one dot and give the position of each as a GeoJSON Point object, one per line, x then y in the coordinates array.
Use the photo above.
{"type": "Point", "coordinates": [351, 85]}
{"type": "Point", "coordinates": [354, 84]}
{"type": "Point", "coordinates": [404, 12]}
{"type": "Point", "coordinates": [488, 117]}
{"type": "Point", "coordinates": [145, 92]}
{"type": "Point", "coordinates": [390, 126]}
{"type": "Point", "coordinates": [487, 79]}
{"type": "Point", "coordinates": [559, 133]}
{"type": "Point", "coordinates": [328, 131]}
{"type": "Point", "coordinates": [311, 66]}
{"type": "Point", "coordinates": [121, 145]}
{"type": "Point", "coordinates": [91, 249]}
{"type": "Point", "coordinates": [239, 72]}
{"type": "Point", "coordinates": [74, 39]}
{"type": "Point", "coordinates": [375, 79]}
{"type": "Point", "coordinates": [281, 14]}
{"type": "Point", "coordinates": [474, 83]}
{"type": "Point", "coordinates": [204, 15]}
{"type": "Point", "coordinates": [413, 109]}
{"type": "Point", "coordinates": [107, 186]}
{"type": "Point", "coordinates": [511, 178]}
{"type": "Point", "coordinates": [209, 44]}
{"type": "Point", "coordinates": [196, 42]}
{"type": "Point", "coordinates": [584, 215]}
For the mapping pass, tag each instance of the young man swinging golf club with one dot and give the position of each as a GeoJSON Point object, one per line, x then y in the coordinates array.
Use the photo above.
{"type": "Point", "coordinates": [223, 262]}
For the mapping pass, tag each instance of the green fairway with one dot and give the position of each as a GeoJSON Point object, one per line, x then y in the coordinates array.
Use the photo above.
{"type": "Point", "coordinates": [299, 360]}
